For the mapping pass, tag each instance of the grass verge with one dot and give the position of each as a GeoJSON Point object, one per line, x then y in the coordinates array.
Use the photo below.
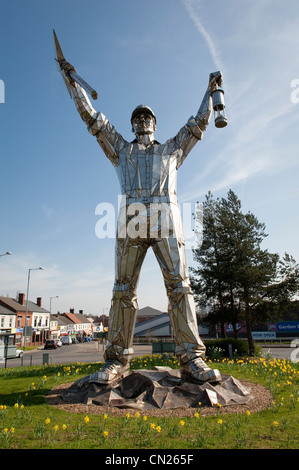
{"type": "Point", "coordinates": [28, 422]}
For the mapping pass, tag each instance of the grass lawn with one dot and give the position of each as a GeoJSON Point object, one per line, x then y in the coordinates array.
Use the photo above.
{"type": "Point", "coordinates": [28, 422]}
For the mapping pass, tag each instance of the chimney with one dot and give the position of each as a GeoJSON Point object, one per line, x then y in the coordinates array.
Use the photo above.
{"type": "Point", "coordinates": [39, 301]}
{"type": "Point", "coordinates": [72, 310]}
{"type": "Point", "coordinates": [22, 299]}
{"type": "Point", "coordinates": [81, 312]}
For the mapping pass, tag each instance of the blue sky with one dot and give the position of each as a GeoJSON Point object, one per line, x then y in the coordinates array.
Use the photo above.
{"type": "Point", "coordinates": [157, 52]}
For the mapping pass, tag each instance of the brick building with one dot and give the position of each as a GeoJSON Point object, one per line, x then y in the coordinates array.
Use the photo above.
{"type": "Point", "coordinates": [38, 319]}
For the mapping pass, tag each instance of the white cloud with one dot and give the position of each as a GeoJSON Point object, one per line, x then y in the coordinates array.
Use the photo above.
{"type": "Point", "coordinates": [192, 7]}
{"type": "Point", "coordinates": [260, 64]}
{"type": "Point", "coordinates": [87, 289]}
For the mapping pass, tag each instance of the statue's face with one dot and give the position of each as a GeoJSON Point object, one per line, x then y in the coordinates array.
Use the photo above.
{"type": "Point", "coordinates": [143, 123]}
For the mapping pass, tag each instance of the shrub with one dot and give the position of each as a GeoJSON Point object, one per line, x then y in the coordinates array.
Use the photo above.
{"type": "Point", "coordinates": [217, 348]}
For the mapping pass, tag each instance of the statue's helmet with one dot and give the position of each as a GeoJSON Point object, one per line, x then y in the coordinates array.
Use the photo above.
{"type": "Point", "coordinates": [142, 108]}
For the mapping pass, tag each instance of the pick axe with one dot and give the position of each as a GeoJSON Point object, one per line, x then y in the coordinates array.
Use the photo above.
{"type": "Point", "coordinates": [72, 73]}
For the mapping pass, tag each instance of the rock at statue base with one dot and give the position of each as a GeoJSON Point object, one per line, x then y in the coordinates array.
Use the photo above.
{"type": "Point", "coordinates": [159, 388]}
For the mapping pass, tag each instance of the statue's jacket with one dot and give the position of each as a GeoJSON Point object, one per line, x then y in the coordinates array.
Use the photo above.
{"type": "Point", "coordinates": [147, 173]}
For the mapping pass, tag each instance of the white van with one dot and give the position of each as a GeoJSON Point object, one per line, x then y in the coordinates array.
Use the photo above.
{"type": "Point", "coordinates": [66, 339]}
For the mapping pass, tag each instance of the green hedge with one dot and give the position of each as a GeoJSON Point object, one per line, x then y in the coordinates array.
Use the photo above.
{"type": "Point", "coordinates": [217, 348]}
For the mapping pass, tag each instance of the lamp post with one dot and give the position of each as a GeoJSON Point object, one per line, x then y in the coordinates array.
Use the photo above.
{"type": "Point", "coordinates": [103, 314]}
{"type": "Point", "coordinates": [54, 297]}
{"type": "Point", "coordinates": [7, 253]}
{"type": "Point", "coordinates": [28, 281]}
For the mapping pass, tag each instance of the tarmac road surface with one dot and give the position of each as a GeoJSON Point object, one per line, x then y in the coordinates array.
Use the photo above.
{"type": "Point", "coordinates": [93, 352]}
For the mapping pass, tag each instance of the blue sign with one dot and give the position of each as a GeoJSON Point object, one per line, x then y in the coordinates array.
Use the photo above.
{"type": "Point", "coordinates": [287, 326]}
{"type": "Point", "coordinates": [263, 335]}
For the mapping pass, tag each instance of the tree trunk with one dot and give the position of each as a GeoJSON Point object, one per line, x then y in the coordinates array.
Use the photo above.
{"type": "Point", "coordinates": [223, 330]}
{"type": "Point", "coordinates": [235, 330]}
{"type": "Point", "coordinates": [248, 324]}
{"type": "Point", "coordinates": [233, 313]}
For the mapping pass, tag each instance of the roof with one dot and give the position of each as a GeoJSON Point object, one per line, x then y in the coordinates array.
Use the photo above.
{"type": "Point", "coordinates": [62, 321]}
{"type": "Point", "coordinates": [32, 307]}
{"type": "Point", "coordinates": [67, 318]}
{"type": "Point", "coordinates": [149, 311]}
{"type": "Point", "coordinates": [72, 317]}
{"type": "Point", "coordinates": [82, 318]}
{"type": "Point", "coordinates": [6, 311]}
{"type": "Point", "coordinates": [12, 304]}
{"type": "Point", "coordinates": [17, 307]}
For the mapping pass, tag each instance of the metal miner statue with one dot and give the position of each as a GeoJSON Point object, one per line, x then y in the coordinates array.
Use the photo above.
{"type": "Point", "coordinates": [147, 172]}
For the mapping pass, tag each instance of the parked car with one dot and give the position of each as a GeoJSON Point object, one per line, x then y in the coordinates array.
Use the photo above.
{"type": "Point", "coordinates": [11, 352]}
{"type": "Point", "coordinates": [50, 344]}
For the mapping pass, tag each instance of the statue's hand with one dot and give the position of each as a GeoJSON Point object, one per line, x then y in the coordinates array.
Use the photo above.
{"type": "Point", "coordinates": [215, 80]}
{"type": "Point", "coordinates": [67, 68]}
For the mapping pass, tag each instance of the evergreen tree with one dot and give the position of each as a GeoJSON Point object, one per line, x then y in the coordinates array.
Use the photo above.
{"type": "Point", "coordinates": [207, 278]}
{"type": "Point", "coordinates": [235, 277]}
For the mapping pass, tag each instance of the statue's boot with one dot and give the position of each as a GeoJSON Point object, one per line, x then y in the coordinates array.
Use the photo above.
{"type": "Point", "coordinates": [112, 372]}
{"type": "Point", "coordinates": [197, 370]}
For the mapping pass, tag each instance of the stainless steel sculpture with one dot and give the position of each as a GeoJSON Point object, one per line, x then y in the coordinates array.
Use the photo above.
{"type": "Point", "coordinates": [149, 217]}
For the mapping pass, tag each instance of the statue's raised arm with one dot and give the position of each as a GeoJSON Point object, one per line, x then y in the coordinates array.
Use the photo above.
{"type": "Point", "coordinates": [98, 125]}
{"type": "Point", "coordinates": [193, 131]}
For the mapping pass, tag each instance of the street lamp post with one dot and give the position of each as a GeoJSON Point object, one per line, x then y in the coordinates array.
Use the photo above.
{"type": "Point", "coordinates": [7, 253]}
{"type": "Point", "coordinates": [54, 297]}
{"type": "Point", "coordinates": [105, 308]}
{"type": "Point", "coordinates": [28, 281]}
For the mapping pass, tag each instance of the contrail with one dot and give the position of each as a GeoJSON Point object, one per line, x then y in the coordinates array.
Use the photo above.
{"type": "Point", "coordinates": [190, 4]}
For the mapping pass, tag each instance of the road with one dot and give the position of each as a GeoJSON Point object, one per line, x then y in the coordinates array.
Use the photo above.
{"type": "Point", "coordinates": [290, 354]}
{"type": "Point", "coordinates": [93, 352]}
{"type": "Point", "coordinates": [66, 354]}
